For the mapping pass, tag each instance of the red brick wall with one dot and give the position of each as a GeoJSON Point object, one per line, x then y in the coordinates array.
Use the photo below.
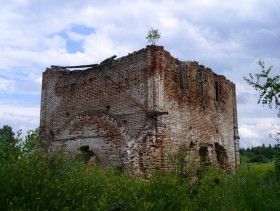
{"type": "Point", "coordinates": [106, 107]}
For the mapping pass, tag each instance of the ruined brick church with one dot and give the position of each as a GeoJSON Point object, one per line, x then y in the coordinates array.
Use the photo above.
{"type": "Point", "coordinates": [129, 112]}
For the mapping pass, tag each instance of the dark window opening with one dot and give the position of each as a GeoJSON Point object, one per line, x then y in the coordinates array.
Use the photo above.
{"type": "Point", "coordinates": [204, 155]}
{"type": "Point", "coordinates": [217, 87]}
{"type": "Point", "coordinates": [182, 71]}
{"type": "Point", "coordinates": [201, 81]}
{"type": "Point", "coordinates": [221, 156]}
{"type": "Point", "coordinates": [89, 157]}
{"type": "Point", "coordinates": [51, 134]}
{"type": "Point", "coordinates": [192, 145]}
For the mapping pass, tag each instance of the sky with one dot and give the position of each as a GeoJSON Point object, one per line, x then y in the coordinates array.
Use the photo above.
{"type": "Point", "coordinates": [229, 37]}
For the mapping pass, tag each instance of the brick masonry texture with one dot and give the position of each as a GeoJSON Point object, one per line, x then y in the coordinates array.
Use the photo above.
{"type": "Point", "coordinates": [132, 111]}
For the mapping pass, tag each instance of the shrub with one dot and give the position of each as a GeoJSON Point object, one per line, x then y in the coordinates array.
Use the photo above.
{"type": "Point", "coordinates": [258, 159]}
{"type": "Point", "coordinates": [40, 181]}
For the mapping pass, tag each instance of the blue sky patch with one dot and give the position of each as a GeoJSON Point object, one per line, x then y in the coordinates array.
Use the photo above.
{"type": "Point", "coordinates": [74, 46]}
{"type": "Point", "coordinates": [83, 30]}
{"type": "Point", "coordinates": [25, 99]}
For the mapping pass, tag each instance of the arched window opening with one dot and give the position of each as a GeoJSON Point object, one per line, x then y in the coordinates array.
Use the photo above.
{"type": "Point", "coordinates": [89, 156]}
{"type": "Point", "coordinates": [221, 156]}
{"type": "Point", "coordinates": [204, 155]}
{"type": "Point", "coordinates": [192, 145]}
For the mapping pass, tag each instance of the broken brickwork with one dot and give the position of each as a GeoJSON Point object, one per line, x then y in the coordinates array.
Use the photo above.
{"type": "Point", "coordinates": [129, 112]}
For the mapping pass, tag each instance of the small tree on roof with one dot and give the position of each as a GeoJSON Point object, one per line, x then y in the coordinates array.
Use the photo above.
{"type": "Point", "coordinates": [153, 36]}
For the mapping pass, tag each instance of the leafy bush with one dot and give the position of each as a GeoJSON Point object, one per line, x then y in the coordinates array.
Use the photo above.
{"type": "Point", "coordinates": [39, 181]}
{"type": "Point", "coordinates": [258, 159]}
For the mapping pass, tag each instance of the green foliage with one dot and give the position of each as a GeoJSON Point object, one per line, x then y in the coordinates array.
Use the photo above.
{"type": "Point", "coordinates": [183, 161]}
{"type": "Point", "coordinates": [31, 142]}
{"type": "Point", "coordinates": [153, 36]}
{"type": "Point", "coordinates": [261, 154]}
{"type": "Point", "coordinates": [9, 144]}
{"type": "Point", "coordinates": [245, 190]}
{"type": "Point", "coordinates": [39, 181]}
{"type": "Point", "coordinates": [277, 155]}
{"type": "Point", "coordinates": [259, 159]}
{"type": "Point", "coordinates": [277, 163]}
{"type": "Point", "coordinates": [268, 86]}
{"type": "Point", "coordinates": [7, 135]}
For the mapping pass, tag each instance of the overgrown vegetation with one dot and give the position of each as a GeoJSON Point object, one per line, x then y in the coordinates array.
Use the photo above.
{"type": "Point", "coordinates": [34, 180]}
{"type": "Point", "coordinates": [267, 85]}
{"type": "Point", "coordinates": [183, 163]}
{"type": "Point", "coordinates": [259, 154]}
{"type": "Point", "coordinates": [269, 88]}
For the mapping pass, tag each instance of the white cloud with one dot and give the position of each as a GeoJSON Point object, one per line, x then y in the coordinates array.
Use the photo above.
{"type": "Point", "coordinates": [19, 115]}
{"type": "Point", "coordinates": [227, 36]}
{"type": "Point", "coordinates": [6, 85]}
{"type": "Point", "coordinates": [254, 131]}
{"type": "Point", "coordinates": [248, 132]}
{"type": "Point", "coordinates": [18, 108]}
{"type": "Point", "coordinates": [29, 85]}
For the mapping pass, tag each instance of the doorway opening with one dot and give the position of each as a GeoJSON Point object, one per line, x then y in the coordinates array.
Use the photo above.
{"type": "Point", "coordinates": [221, 156]}
{"type": "Point", "coordinates": [89, 156]}
{"type": "Point", "coordinates": [204, 155]}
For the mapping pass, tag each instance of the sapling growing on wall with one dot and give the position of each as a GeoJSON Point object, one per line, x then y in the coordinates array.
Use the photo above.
{"type": "Point", "coordinates": [153, 36]}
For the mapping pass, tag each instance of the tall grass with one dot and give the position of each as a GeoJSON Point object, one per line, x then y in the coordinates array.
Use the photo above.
{"type": "Point", "coordinates": [42, 182]}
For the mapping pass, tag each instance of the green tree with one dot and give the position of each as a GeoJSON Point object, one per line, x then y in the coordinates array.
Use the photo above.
{"type": "Point", "coordinates": [258, 159]}
{"type": "Point", "coordinates": [9, 145]}
{"type": "Point", "coordinates": [277, 156]}
{"type": "Point", "coordinates": [14, 146]}
{"type": "Point", "coordinates": [7, 135]}
{"type": "Point", "coordinates": [153, 36]}
{"type": "Point", "coordinates": [268, 86]}
{"type": "Point", "coordinates": [269, 89]}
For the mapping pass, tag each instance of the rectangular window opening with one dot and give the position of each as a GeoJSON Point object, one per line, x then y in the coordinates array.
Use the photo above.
{"type": "Point", "coordinates": [182, 72]}
{"type": "Point", "coordinates": [217, 87]}
{"type": "Point", "coordinates": [201, 81]}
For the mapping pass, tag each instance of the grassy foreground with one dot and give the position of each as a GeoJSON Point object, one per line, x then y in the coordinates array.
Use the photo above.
{"type": "Point", "coordinates": [41, 182]}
